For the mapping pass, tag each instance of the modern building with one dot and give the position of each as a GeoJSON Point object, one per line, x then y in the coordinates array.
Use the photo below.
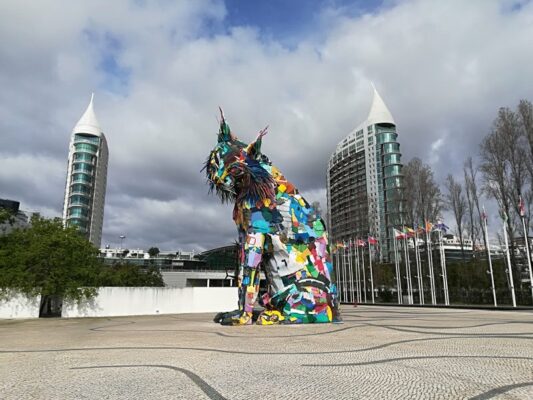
{"type": "Point", "coordinates": [85, 189]}
{"type": "Point", "coordinates": [17, 219]}
{"type": "Point", "coordinates": [212, 268]}
{"type": "Point", "coordinates": [365, 182]}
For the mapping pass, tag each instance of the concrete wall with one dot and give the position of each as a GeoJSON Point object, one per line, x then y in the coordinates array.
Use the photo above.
{"type": "Point", "coordinates": [179, 279]}
{"type": "Point", "coordinates": [117, 301]}
{"type": "Point", "coordinates": [19, 306]}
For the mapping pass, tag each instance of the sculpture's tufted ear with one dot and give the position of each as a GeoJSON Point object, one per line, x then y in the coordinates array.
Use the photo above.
{"type": "Point", "coordinates": [224, 133]}
{"type": "Point", "coordinates": [254, 148]}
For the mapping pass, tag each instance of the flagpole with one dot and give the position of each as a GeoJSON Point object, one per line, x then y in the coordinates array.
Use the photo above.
{"type": "Point", "coordinates": [397, 265]}
{"type": "Point", "coordinates": [340, 274]}
{"type": "Point", "coordinates": [509, 259]}
{"type": "Point", "coordinates": [408, 272]}
{"type": "Point", "coordinates": [333, 253]}
{"type": "Point", "coordinates": [358, 273]}
{"type": "Point", "coordinates": [345, 267]}
{"type": "Point", "coordinates": [489, 257]}
{"type": "Point", "coordinates": [341, 283]}
{"type": "Point", "coordinates": [371, 274]}
{"type": "Point", "coordinates": [359, 295]}
{"type": "Point", "coordinates": [443, 267]}
{"type": "Point", "coordinates": [419, 270]}
{"type": "Point", "coordinates": [364, 274]}
{"type": "Point", "coordinates": [528, 255]}
{"type": "Point", "coordinates": [429, 251]}
{"type": "Point", "coordinates": [351, 274]}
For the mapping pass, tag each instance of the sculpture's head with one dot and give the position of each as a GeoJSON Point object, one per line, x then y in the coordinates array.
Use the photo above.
{"type": "Point", "coordinates": [237, 171]}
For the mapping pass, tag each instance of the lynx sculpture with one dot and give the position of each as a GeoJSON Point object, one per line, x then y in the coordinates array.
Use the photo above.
{"type": "Point", "coordinates": [279, 233]}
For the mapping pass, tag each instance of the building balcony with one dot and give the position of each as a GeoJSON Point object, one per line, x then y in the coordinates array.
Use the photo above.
{"type": "Point", "coordinates": [78, 203]}
{"type": "Point", "coordinates": [78, 193]}
{"type": "Point", "coordinates": [78, 216]}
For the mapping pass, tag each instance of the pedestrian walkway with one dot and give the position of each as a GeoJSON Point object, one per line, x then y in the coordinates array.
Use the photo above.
{"type": "Point", "coordinates": [378, 353]}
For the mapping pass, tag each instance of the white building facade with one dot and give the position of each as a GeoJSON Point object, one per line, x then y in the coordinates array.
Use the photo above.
{"type": "Point", "coordinates": [86, 181]}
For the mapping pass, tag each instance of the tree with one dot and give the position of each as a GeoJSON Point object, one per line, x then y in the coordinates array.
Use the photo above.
{"type": "Point", "coordinates": [525, 115]}
{"type": "Point", "coordinates": [423, 197]}
{"type": "Point", "coordinates": [153, 251]}
{"type": "Point", "coordinates": [5, 215]}
{"type": "Point", "coordinates": [504, 165]}
{"type": "Point", "coordinates": [48, 259]}
{"type": "Point", "coordinates": [473, 193]}
{"type": "Point", "coordinates": [125, 274]}
{"type": "Point", "coordinates": [457, 203]}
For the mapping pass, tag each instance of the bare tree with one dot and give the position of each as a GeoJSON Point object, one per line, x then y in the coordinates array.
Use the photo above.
{"type": "Point", "coordinates": [504, 165]}
{"type": "Point", "coordinates": [423, 197]}
{"type": "Point", "coordinates": [457, 203]}
{"type": "Point", "coordinates": [525, 115]}
{"type": "Point", "coordinates": [474, 210]}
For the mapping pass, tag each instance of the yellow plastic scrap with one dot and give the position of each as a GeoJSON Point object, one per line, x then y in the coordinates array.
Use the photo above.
{"type": "Point", "coordinates": [270, 317]}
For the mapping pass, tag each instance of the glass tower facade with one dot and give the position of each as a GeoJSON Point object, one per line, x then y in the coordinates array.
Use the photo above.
{"type": "Point", "coordinates": [365, 182]}
{"type": "Point", "coordinates": [86, 177]}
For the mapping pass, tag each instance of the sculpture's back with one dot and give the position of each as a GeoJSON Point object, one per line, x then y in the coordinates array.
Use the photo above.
{"type": "Point", "coordinates": [279, 232]}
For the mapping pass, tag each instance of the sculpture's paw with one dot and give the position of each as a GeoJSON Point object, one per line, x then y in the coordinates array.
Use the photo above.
{"type": "Point", "coordinates": [270, 317]}
{"type": "Point", "coordinates": [223, 315]}
{"type": "Point", "coordinates": [241, 319]}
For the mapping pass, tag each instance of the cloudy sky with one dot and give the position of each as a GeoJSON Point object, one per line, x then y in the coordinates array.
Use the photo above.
{"type": "Point", "coordinates": [159, 69]}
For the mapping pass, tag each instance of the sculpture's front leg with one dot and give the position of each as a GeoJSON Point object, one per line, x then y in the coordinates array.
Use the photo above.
{"type": "Point", "coordinates": [248, 280]}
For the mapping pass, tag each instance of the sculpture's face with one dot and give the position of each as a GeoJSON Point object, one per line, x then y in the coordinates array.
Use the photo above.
{"type": "Point", "coordinates": [225, 165]}
{"type": "Point", "coordinates": [235, 170]}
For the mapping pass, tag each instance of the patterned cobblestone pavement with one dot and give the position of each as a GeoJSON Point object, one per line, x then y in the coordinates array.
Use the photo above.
{"type": "Point", "coordinates": [378, 353]}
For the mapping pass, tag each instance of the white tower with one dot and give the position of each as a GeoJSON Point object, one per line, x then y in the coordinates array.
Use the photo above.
{"type": "Point", "coordinates": [365, 180]}
{"type": "Point", "coordinates": [83, 205]}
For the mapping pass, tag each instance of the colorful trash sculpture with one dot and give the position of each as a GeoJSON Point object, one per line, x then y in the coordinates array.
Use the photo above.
{"type": "Point", "coordinates": [279, 234]}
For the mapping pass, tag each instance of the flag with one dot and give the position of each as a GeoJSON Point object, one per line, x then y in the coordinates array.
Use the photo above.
{"type": "Point", "coordinates": [361, 243]}
{"type": "Point", "coordinates": [503, 215]}
{"type": "Point", "coordinates": [521, 206]}
{"type": "Point", "coordinates": [340, 245]}
{"type": "Point", "coordinates": [372, 240]}
{"type": "Point", "coordinates": [398, 234]}
{"type": "Point", "coordinates": [429, 225]}
{"type": "Point", "coordinates": [408, 231]}
{"type": "Point", "coordinates": [441, 226]}
{"type": "Point", "coordinates": [484, 215]}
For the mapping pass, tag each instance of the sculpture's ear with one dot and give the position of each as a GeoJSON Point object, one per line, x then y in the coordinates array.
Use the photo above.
{"type": "Point", "coordinates": [254, 148]}
{"type": "Point", "coordinates": [224, 133]}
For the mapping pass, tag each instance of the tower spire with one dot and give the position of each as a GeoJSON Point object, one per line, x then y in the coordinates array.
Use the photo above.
{"type": "Point", "coordinates": [379, 113]}
{"type": "Point", "coordinates": [88, 122]}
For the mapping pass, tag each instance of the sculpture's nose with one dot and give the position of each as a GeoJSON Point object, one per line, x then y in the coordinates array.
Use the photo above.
{"type": "Point", "coordinates": [220, 179]}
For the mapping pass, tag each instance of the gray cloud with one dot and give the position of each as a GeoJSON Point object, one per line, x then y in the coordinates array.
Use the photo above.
{"type": "Point", "coordinates": [443, 68]}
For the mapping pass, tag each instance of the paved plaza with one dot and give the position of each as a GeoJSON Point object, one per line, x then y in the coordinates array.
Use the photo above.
{"type": "Point", "coordinates": [378, 353]}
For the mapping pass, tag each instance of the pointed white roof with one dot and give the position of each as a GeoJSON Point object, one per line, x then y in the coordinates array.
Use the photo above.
{"type": "Point", "coordinates": [379, 113]}
{"type": "Point", "coordinates": [88, 122]}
